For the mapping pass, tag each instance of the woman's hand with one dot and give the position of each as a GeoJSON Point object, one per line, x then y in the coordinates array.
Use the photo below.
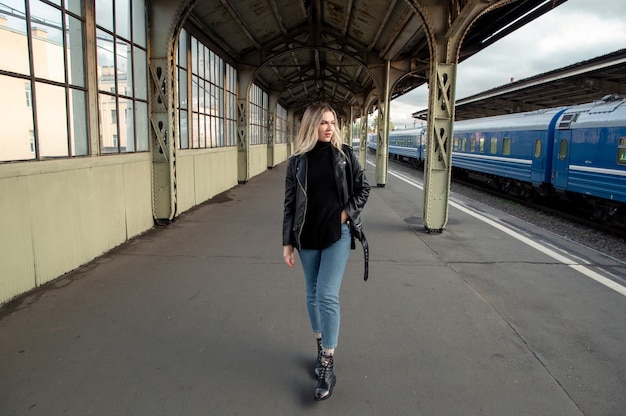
{"type": "Point", "coordinates": [344, 216]}
{"type": "Point", "coordinates": [288, 255]}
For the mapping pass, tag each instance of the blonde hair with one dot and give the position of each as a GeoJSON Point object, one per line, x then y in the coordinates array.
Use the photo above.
{"type": "Point", "coordinates": [309, 127]}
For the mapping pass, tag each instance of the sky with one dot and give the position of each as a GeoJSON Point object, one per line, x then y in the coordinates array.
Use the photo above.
{"type": "Point", "coordinates": [575, 31]}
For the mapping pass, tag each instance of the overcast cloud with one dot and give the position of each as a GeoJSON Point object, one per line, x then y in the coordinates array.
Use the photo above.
{"type": "Point", "coordinates": [575, 31]}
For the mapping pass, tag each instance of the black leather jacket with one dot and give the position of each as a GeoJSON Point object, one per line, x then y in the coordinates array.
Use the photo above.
{"type": "Point", "coordinates": [352, 186]}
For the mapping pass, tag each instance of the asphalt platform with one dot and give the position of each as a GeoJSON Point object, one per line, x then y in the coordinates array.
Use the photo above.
{"type": "Point", "coordinates": [202, 317]}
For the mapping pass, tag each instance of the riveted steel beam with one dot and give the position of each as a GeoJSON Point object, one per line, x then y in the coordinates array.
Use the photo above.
{"type": "Point", "coordinates": [446, 23]}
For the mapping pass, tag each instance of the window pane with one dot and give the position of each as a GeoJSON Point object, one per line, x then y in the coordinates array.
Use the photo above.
{"type": "Point", "coordinates": [141, 122]}
{"type": "Point", "coordinates": [106, 74]}
{"type": "Point", "coordinates": [563, 150]}
{"type": "Point", "coordinates": [78, 123]}
{"type": "Point", "coordinates": [74, 46]}
{"type": "Point", "coordinates": [182, 49]}
{"type": "Point", "coordinates": [494, 146]}
{"type": "Point", "coordinates": [537, 148]}
{"type": "Point", "coordinates": [194, 93]}
{"type": "Point", "coordinates": [506, 146]}
{"type": "Point", "coordinates": [108, 126]}
{"type": "Point", "coordinates": [51, 120]}
{"type": "Point", "coordinates": [17, 120]}
{"type": "Point", "coordinates": [125, 115]}
{"type": "Point", "coordinates": [202, 126]}
{"type": "Point", "coordinates": [122, 18]}
{"type": "Point", "coordinates": [141, 74]}
{"type": "Point", "coordinates": [124, 78]}
{"type": "Point", "coordinates": [184, 131]}
{"type": "Point", "coordinates": [182, 89]}
{"type": "Point", "coordinates": [201, 97]}
{"type": "Point", "coordinates": [75, 6]}
{"type": "Point", "coordinates": [194, 56]}
{"type": "Point", "coordinates": [195, 130]}
{"type": "Point", "coordinates": [139, 22]}
{"type": "Point", "coordinates": [47, 38]}
{"type": "Point", "coordinates": [104, 14]}
{"type": "Point", "coordinates": [14, 45]}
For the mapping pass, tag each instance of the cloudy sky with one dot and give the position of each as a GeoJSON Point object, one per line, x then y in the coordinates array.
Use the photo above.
{"type": "Point", "coordinates": [573, 32]}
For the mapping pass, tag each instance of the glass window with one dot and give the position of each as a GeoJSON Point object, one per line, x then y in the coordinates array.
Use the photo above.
{"type": "Point", "coordinates": [259, 103]}
{"type": "Point", "coordinates": [139, 22]}
{"type": "Point", "coordinates": [104, 14]}
{"type": "Point", "coordinates": [481, 146]}
{"type": "Point", "coordinates": [281, 124]}
{"type": "Point", "coordinates": [14, 44]}
{"type": "Point", "coordinates": [122, 75]}
{"type": "Point", "coordinates": [78, 122]}
{"type": "Point", "coordinates": [74, 47]}
{"type": "Point", "coordinates": [47, 38]}
{"type": "Point", "coordinates": [212, 92]}
{"type": "Point", "coordinates": [506, 146]}
{"type": "Point", "coordinates": [537, 148]}
{"type": "Point", "coordinates": [621, 151]}
{"type": "Point", "coordinates": [563, 150]}
{"type": "Point", "coordinates": [52, 134]}
{"type": "Point", "coordinates": [43, 86]}
{"type": "Point", "coordinates": [17, 141]}
{"type": "Point", "coordinates": [493, 146]}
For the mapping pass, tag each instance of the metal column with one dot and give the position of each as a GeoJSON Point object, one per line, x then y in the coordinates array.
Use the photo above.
{"type": "Point", "coordinates": [382, 150]}
{"type": "Point", "coordinates": [437, 170]}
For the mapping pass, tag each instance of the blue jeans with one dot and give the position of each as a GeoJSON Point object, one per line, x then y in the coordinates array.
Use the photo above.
{"type": "Point", "coordinates": [323, 273]}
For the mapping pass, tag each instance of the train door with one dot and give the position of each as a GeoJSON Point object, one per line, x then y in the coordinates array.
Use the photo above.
{"type": "Point", "coordinates": [560, 162]}
{"type": "Point", "coordinates": [537, 169]}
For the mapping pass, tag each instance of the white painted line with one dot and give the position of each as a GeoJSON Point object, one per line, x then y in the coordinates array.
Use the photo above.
{"type": "Point", "coordinates": [542, 248]}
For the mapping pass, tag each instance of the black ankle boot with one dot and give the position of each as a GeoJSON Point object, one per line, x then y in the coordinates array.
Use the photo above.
{"type": "Point", "coordinates": [327, 379]}
{"type": "Point", "coordinates": [318, 362]}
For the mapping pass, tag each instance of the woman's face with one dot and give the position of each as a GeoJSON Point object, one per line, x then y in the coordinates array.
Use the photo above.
{"type": "Point", "coordinates": [327, 127]}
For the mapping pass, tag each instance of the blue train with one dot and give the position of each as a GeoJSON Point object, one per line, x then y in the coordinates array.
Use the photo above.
{"type": "Point", "coordinates": [407, 145]}
{"type": "Point", "coordinates": [576, 153]}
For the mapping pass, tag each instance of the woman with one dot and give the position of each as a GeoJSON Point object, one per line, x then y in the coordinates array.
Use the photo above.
{"type": "Point", "coordinates": [325, 190]}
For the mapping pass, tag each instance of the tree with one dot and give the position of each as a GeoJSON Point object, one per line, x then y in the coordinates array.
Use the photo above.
{"type": "Point", "coordinates": [374, 125]}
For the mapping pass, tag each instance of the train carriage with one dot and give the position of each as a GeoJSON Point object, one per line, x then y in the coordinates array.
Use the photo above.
{"type": "Point", "coordinates": [576, 153]}
{"type": "Point", "coordinates": [512, 151]}
{"type": "Point", "coordinates": [589, 159]}
{"type": "Point", "coordinates": [408, 145]}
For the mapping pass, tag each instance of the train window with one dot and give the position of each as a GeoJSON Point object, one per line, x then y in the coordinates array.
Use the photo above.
{"type": "Point", "coordinates": [481, 147]}
{"type": "Point", "coordinates": [493, 148]}
{"type": "Point", "coordinates": [537, 148]}
{"type": "Point", "coordinates": [506, 146]}
{"type": "Point", "coordinates": [563, 150]}
{"type": "Point", "coordinates": [621, 151]}
{"type": "Point", "coordinates": [455, 144]}
{"type": "Point", "coordinates": [464, 144]}
{"type": "Point", "coordinates": [472, 144]}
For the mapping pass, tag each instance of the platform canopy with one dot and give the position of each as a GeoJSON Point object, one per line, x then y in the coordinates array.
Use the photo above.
{"type": "Point", "coordinates": [578, 83]}
{"type": "Point", "coordinates": [312, 50]}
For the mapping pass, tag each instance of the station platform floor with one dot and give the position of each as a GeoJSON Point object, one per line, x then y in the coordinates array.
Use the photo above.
{"type": "Point", "coordinates": [202, 317]}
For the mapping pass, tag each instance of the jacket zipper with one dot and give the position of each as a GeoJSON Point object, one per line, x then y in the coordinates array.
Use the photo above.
{"type": "Point", "coordinates": [304, 189]}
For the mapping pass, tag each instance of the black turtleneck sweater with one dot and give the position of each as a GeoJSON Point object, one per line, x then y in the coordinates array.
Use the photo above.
{"type": "Point", "coordinates": [322, 224]}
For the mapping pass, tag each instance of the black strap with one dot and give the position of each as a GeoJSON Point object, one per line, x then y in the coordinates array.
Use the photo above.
{"type": "Point", "coordinates": [366, 256]}
{"type": "Point", "coordinates": [363, 240]}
